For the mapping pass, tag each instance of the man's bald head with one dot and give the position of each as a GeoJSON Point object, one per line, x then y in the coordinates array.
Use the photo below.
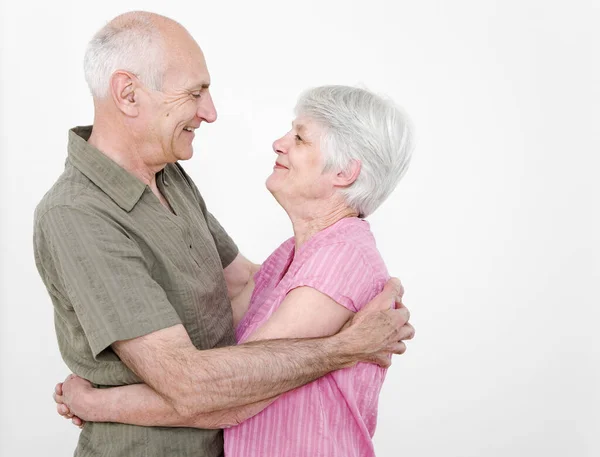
{"type": "Point", "coordinates": [142, 43]}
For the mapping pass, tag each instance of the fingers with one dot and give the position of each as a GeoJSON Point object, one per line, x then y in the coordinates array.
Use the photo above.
{"type": "Point", "coordinates": [384, 360]}
{"type": "Point", "coordinates": [399, 303]}
{"type": "Point", "coordinates": [61, 408]}
{"type": "Point", "coordinates": [407, 332]}
{"type": "Point", "coordinates": [392, 289]}
{"type": "Point", "coordinates": [57, 398]}
{"type": "Point", "coordinates": [64, 411]}
{"type": "Point", "coordinates": [399, 295]}
{"type": "Point", "coordinates": [400, 292]}
{"type": "Point", "coordinates": [399, 348]}
{"type": "Point", "coordinates": [77, 421]}
{"type": "Point", "coordinates": [400, 316]}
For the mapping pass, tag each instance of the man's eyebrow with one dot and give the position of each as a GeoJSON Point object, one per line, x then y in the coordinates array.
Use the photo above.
{"type": "Point", "coordinates": [201, 85]}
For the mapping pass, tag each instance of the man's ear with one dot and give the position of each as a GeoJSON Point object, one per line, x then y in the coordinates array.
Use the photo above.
{"type": "Point", "coordinates": [348, 175]}
{"type": "Point", "coordinates": [123, 86]}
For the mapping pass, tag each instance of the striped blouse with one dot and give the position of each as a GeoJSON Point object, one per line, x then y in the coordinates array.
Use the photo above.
{"type": "Point", "coordinates": [334, 416]}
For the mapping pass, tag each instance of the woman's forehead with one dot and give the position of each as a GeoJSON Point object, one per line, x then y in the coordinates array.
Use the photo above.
{"type": "Point", "coordinates": [306, 125]}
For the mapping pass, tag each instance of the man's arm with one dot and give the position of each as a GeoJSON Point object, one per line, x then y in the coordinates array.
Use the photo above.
{"type": "Point", "coordinates": [198, 382]}
{"type": "Point", "coordinates": [305, 312]}
{"type": "Point", "coordinates": [195, 383]}
{"type": "Point", "coordinates": [158, 349]}
{"type": "Point", "coordinates": [239, 276]}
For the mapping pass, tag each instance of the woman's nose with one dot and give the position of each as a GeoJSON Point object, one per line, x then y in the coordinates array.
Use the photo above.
{"type": "Point", "coordinates": [279, 146]}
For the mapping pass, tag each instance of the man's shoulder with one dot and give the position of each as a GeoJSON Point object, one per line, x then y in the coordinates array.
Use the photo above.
{"type": "Point", "coordinates": [68, 191]}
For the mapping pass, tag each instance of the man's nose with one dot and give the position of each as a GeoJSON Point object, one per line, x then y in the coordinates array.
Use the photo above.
{"type": "Point", "coordinates": [206, 108]}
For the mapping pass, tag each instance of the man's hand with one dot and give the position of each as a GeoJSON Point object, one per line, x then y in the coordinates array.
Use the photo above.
{"type": "Point", "coordinates": [68, 396]}
{"type": "Point", "coordinates": [380, 329]}
{"type": "Point", "coordinates": [372, 335]}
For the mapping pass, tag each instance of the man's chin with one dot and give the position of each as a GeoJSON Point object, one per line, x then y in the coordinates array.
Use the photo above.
{"type": "Point", "coordinates": [185, 154]}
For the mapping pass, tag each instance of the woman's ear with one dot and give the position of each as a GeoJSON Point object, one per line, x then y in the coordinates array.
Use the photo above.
{"type": "Point", "coordinates": [348, 175]}
{"type": "Point", "coordinates": [123, 86]}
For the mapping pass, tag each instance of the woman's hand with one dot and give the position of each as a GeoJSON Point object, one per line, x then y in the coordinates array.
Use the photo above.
{"type": "Point", "coordinates": [69, 396]}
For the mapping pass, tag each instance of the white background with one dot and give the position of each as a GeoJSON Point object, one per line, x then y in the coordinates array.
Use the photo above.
{"type": "Point", "coordinates": [494, 230]}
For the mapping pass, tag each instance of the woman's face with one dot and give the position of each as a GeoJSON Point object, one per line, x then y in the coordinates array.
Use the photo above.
{"type": "Point", "coordinates": [298, 171]}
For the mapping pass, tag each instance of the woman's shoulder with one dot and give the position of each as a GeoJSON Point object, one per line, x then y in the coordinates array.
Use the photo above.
{"type": "Point", "coordinates": [351, 242]}
{"type": "Point", "coordinates": [277, 258]}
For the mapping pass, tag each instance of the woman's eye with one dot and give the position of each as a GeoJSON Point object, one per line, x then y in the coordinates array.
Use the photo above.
{"type": "Point", "coordinates": [298, 138]}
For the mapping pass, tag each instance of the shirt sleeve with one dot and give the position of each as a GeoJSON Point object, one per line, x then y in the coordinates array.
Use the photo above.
{"type": "Point", "coordinates": [104, 275]}
{"type": "Point", "coordinates": [340, 272]}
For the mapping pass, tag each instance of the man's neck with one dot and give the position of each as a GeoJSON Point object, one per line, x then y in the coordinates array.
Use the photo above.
{"type": "Point", "coordinates": [113, 142]}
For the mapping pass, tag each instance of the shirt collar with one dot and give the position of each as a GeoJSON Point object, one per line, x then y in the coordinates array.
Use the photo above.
{"type": "Point", "coordinates": [116, 182]}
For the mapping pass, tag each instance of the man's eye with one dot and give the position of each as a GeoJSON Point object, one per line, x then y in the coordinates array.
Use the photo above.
{"type": "Point", "coordinates": [298, 138]}
{"type": "Point", "coordinates": [196, 94]}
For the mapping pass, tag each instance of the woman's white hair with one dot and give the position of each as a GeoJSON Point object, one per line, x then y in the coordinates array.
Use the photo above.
{"type": "Point", "coordinates": [360, 125]}
{"type": "Point", "coordinates": [130, 42]}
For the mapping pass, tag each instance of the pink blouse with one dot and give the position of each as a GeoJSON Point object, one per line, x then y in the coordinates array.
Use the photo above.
{"type": "Point", "coordinates": [334, 416]}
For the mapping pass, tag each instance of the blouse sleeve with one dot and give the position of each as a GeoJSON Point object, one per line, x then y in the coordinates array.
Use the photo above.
{"type": "Point", "coordinates": [338, 270]}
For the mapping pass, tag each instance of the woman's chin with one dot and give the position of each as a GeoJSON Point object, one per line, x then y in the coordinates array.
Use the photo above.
{"type": "Point", "coordinates": [271, 183]}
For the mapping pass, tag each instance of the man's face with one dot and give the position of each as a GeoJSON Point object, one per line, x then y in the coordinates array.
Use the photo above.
{"type": "Point", "coordinates": [182, 105]}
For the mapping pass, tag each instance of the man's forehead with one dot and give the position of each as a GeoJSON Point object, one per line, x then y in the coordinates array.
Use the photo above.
{"type": "Point", "coordinates": [186, 75]}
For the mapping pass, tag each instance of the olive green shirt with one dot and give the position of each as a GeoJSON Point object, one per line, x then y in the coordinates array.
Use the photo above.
{"type": "Point", "coordinates": [118, 265]}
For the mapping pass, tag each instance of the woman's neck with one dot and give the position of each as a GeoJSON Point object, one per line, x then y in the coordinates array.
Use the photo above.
{"type": "Point", "coordinates": [305, 227]}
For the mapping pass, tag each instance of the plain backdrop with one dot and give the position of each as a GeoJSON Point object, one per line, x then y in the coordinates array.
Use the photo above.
{"type": "Point", "coordinates": [494, 231]}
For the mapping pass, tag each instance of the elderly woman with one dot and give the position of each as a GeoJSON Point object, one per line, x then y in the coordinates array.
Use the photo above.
{"type": "Point", "coordinates": [345, 153]}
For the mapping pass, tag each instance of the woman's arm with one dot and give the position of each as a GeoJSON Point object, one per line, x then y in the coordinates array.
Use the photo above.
{"type": "Point", "coordinates": [239, 277]}
{"type": "Point", "coordinates": [138, 404]}
{"type": "Point", "coordinates": [305, 313]}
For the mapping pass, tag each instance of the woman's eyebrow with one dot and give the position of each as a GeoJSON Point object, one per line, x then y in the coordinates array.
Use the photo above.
{"type": "Point", "coordinates": [300, 128]}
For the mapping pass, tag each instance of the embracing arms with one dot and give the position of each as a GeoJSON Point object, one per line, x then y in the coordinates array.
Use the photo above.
{"type": "Point", "coordinates": [191, 381]}
{"type": "Point", "coordinates": [220, 387]}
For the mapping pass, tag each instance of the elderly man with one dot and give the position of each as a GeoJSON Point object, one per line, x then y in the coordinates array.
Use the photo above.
{"type": "Point", "coordinates": [142, 276]}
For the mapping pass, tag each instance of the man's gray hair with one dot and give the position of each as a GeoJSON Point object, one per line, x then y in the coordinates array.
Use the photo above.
{"type": "Point", "coordinates": [130, 42]}
{"type": "Point", "coordinates": [359, 125]}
